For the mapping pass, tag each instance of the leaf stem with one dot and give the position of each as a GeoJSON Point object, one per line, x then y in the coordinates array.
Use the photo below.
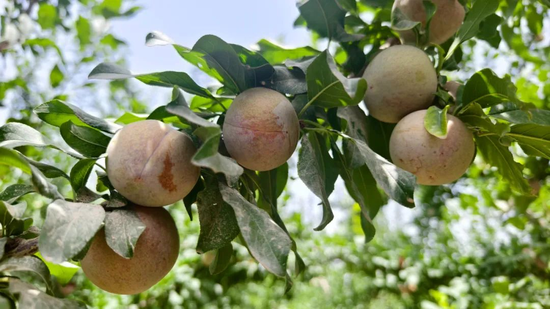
{"type": "Point", "coordinates": [441, 57]}
{"type": "Point", "coordinates": [315, 97]}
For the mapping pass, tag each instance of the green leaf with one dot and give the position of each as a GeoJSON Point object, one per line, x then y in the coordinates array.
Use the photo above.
{"type": "Point", "coordinates": [500, 157]}
{"type": "Point", "coordinates": [48, 170]}
{"type": "Point", "coordinates": [178, 106]}
{"type": "Point", "coordinates": [191, 198]}
{"type": "Point", "coordinates": [218, 225]}
{"type": "Point", "coordinates": [272, 184]}
{"type": "Point", "coordinates": [15, 191]}
{"type": "Point", "coordinates": [83, 31]}
{"type": "Point", "coordinates": [122, 230]}
{"type": "Point", "coordinates": [291, 81]}
{"type": "Point", "coordinates": [220, 60]}
{"type": "Point", "coordinates": [312, 171]}
{"type": "Point", "coordinates": [11, 219]}
{"type": "Point", "coordinates": [56, 76]}
{"type": "Point", "coordinates": [328, 88]}
{"type": "Point", "coordinates": [12, 158]}
{"type": "Point", "coordinates": [326, 18]}
{"type": "Point", "coordinates": [267, 242]}
{"type": "Point", "coordinates": [47, 16]}
{"type": "Point", "coordinates": [80, 173]}
{"type": "Point", "coordinates": [276, 54]}
{"type": "Point", "coordinates": [15, 134]}
{"type": "Point", "coordinates": [222, 260]}
{"type": "Point", "coordinates": [41, 184]}
{"type": "Point", "coordinates": [89, 142]}
{"type": "Point", "coordinates": [435, 121]}
{"type": "Point", "coordinates": [63, 272]}
{"type": "Point", "coordinates": [44, 43]}
{"type": "Point", "coordinates": [208, 156]}
{"type": "Point", "coordinates": [398, 184]}
{"type": "Point", "coordinates": [511, 113]}
{"type": "Point", "coordinates": [533, 139]}
{"type": "Point", "coordinates": [57, 112]}
{"type": "Point", "coordinates": [362, 188]}
{"type": "Point", "coordinates": [32, 298]}
{"type": "Point", "coordinates": [487, 89]}
{"type": "Point", "coordinates": [30, 264]}
{"type": "Point", "coordinates": [112, 71]}
{"type": "Point", "coordinates": [68, 228]}
{"type": "Point", "coordinates": [477, 14]}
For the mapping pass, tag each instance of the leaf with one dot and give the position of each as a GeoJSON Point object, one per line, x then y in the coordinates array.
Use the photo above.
{"type": "Point", "coordinates": [11, 219]}
{"type": "Point", "coordinates": [487, 89]}
{"type": "Point", "coordinates": [328, 88]}
{"type": "Point", "coordinates": [47, 16]}
{"type": "Point", "coordinates": [511, 113]}
{"type": "Point", "coordinates": [80, 173]}
{"type": "Point", "coordinates": [362, 188]}
{"type": "Point", "coordinates": [30, 264]}
{"type": "Point", "coordinates": [500, 157]}
{"type": "Point", "coordinates": [32, 298]}
{"type": "Point", "coordinates": [63, 272]}
{"type": "Point", "coordinates": [122, 230]}
{"type": "Point", "coordinates": [15, 134]}
{"type": "Point", "coordinates": [397, 183]}
{"type": "Point", "coordinates": [312, 171]}
{"type": "Point", "coordinates": [290, 81]}
{"type": "Point", "coordinates": [533, 139]}
{"type": "Point", "coordinates": [477, 14]}
{"type": "Point", "coordinates": [48, 170]}
{"type": "Point", "coordinates": [112, 71]}
{"type": "Point", "coordinates": [89, 142]}
{"type": "Point", "coordinates": [67, 229]}
{"type": "Point", "coordinates": [56, 76]}
{"type": "Point", "coordinates": [222, 260]}
{"type": "Point", "coordinates": [277, 54]}
{"type": "Point", "coordinates": [43, 186]}
{"type": "Point", "coordinates": [191, 198]}
{"type": "Point", "coordinates": [83, 31]}
{"type": "Point", "coordinates": [57, 112]}
{"type": "Point", "coordinates": [15, 191]}
{"type": "Point", "coordinates": [267, 242]}
{"type": "Point", "coordinates": [326, 18]}
{"type": "Point", "coordinates": [208, 156]}
{"type": "Point", "coordinates": [220, 60]}
{"type": "Point", "coordinates": [218, 225]}
{"type": "Point", "coordinates": [435, 121]}
{"type": "Point", "coordinates": [178, 106]}
{"type": "Point", "coordinates": [13, 158]}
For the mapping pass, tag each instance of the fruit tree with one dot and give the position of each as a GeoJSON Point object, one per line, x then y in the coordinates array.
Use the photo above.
{"type": "Point", "coordinates": [390, 104]}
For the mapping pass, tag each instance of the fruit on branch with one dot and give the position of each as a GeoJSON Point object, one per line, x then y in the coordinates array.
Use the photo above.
{"type": "Point", "coordinates": [444, 24]}
{"type": "Point", "coordinates": [434, 161]}
{"type": "Point", "coordinates": [261, 129]}
{"type": "Point", "coordinates": [401, 80]}
{"type": "Point", "coordinates": [149, 163]}
{"type": "Point", "coordinates": [155, 254]}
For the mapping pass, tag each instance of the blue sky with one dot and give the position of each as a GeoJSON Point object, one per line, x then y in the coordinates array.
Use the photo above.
{"type": "Point", "coordinates": [242, 22]}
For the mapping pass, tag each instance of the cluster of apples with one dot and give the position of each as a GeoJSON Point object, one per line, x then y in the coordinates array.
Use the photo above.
{"type": "Point", "coordinates": [149, 162]}
{"type": "Point", "coordinates": [402, 83]}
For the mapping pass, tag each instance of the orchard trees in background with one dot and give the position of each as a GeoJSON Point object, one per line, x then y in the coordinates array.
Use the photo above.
{"type": "Point", "coordinates": [237, 201]}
